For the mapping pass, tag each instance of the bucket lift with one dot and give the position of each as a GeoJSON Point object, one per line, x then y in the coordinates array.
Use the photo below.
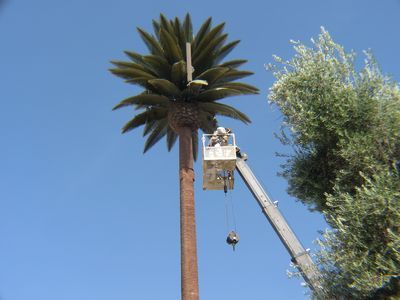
{"type": "Point", "coordinates": [219, 161]}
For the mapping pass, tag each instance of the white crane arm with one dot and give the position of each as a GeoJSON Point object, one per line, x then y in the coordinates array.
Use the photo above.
{"type": "Point", "coordinates": [300, 257]}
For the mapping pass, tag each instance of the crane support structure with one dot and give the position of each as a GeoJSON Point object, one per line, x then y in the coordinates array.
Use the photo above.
{"type": "Point", "coordinates": [300, 257]}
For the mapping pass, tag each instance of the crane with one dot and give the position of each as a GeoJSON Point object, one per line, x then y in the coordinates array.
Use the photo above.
{"type": "Point", "coordinates": [219, 163]}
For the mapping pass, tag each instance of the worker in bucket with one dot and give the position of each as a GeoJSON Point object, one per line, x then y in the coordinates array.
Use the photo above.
{"type": "Point", "coordinates": [225, 137]}
{"type": "Point", "coordinates": [220, 137]}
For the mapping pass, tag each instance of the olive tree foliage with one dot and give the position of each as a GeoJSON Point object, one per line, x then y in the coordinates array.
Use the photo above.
{"type": "Point", "coordinates": [344, 129]}
{"type": "Point", "coordinates": [361, 257]}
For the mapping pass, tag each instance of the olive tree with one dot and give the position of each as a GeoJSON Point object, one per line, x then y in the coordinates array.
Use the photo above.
{"type": "Point", "coordinates": [343, 125]}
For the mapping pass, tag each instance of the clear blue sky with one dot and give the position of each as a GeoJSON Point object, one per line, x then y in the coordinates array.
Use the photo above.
{"type": "Point", "coordinates": [84, 215]}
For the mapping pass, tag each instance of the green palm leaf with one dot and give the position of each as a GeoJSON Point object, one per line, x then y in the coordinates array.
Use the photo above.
{"type": "Point", "coordinates": [216, 94]}
{"type": "Point", "coordinates": [141, 81]}
{"type": "Point", "coordinates": [239, 86]}
{"type": "Point", "coordinates": [159, 65]}
{"type": "Point", "coordinates": [143, 99]}
{"type": "Point", "coordinates": [156, 28]}
{"type": "Point", "coordinates": [188, 29]}
{"type": "Point", "coordinates": [171, 138]}
{"type": "Point", "coordinates": [224, 110]}
{"type": "Point", "coordinates": [130, 73]}
{"type": "Point", "coordinates": [180, 34]}
{"type": "Point", "coordinates": [165, 87]}
{"type": "Point", "coordinates": [204, 29]}
{"type": "Point", "coordinates": [151, 43]}
{"type": "Point", "coordinates": [225, 50]}
{"type": "Point", "coordinates": [167, 26]}
{"type": "Point", "coordinates": [179, 74]}
{"type": "Point", "coordinates": [177, 27]}
{"type": "Point", "coordinates": [206, 57]}
{"type": "Point", "coordinates": [132, 65]}
{"type": "Point", "coordinates": [212, 75]}
{"type": "Point", "coordinates": [233, 64]}
{"type": "Point", "coordinates": [157, 134]}
{"type": "Point", "coordinates": [135, 57]}
{"type": "Point", "coordinates": [195, 144]}
{"type": "Point", "coordinates": [208, 123]}
{"type": "Point", "coordinates": [172, 52]}
{"type": "Point", "coordinates": [233, 75]}
{"type": "Point", "coordinates": [140, 119]}
{"type": "Point", "coordinates": [207, 39]}
{"type": "Point", "coordinates": [149, 126]}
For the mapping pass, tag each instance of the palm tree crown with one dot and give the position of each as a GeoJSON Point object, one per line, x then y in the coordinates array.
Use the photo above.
{"type": "Point", "coordinates": [168, 102]}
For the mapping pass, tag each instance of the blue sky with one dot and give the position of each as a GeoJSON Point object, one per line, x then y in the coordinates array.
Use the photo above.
{"type": "Point", "coordinates": [83, 213]}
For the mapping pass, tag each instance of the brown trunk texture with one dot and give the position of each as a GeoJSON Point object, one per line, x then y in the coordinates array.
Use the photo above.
{"type": "Point", "coordinates": [189, 273]}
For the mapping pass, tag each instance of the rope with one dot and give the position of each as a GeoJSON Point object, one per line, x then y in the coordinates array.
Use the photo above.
{"type": "Point", "coordinates": [229, 207]}
{"type": "Point", "coordinates": [226, 213]}
{"type": "Point", "coordinates": [233, 211]}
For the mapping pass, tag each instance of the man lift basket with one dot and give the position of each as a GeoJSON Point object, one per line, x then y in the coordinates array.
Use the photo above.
{"type": "Point", "coordinates": [219, 160]}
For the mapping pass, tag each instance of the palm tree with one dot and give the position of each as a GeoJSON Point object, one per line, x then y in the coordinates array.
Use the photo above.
{"type": "Point", "coordinates": [171, 106]}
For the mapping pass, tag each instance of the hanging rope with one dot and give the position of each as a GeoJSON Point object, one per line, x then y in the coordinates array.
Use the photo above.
{"type": "Point", "coordinates": [226, 213]}
{"type": "Point", "coordinates": [229, 206]}
{"type": "Point", "coordinates": [232, 238]}
{"type": "Point", "coordinates": [233, 211]}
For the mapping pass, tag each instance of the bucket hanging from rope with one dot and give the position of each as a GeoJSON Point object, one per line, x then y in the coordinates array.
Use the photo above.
{"type": "Point", "coordinates": [232, 239]}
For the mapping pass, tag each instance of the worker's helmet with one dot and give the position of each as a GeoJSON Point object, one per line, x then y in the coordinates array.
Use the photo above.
{"type": "Point", "coordinates": [221, 130]}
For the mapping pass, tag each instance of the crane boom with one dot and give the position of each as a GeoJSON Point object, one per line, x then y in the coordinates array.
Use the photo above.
{"type": "Point", "coordinates": [300, 257]}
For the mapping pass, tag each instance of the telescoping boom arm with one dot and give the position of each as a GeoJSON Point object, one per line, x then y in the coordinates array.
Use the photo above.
{"type": "Point", "coordinates": [300, 257]}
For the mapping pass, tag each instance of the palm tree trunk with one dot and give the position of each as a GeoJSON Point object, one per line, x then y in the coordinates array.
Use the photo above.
{"type": "Point", "coordinates": [189, 273]}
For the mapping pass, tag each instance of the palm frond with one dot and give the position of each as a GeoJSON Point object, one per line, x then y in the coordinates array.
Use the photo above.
{"type": "Point", "coordinates": [143, 99]}
{"type": "Point", "coordinates": [165, 87]}
{"type": "Point", "coordinates": [169, 43]}
{"type": "Point", "coordinates": [157, 134]}
{"type": "Point", "coordinates": [130, 73]}
{"type": "Point", "coordinates": [233, 75]}
{"type": "Point", "coordinates": [188, 29]}
{"type": "Point", "coordinates": [177, 27]}
{"type": "Point", "coordinates": [239, 86]}
{"type": "Point", "coordinates": [225, 50]}
{"type": "Point", "coordinates": [167, 26]}
{"type": "Point", "coordinates": [216, 94]}
{"type": "Point", "coordinates": [159, 65]}
{"type": "Point", "coordinates": [212, 75]}
{"type": "Point", "coordinates": [151, 43]}
{"type": "Point", "coordinates": [208, 123]}
{"type": "Point", "coordinates": [207, 39]}
{"type": "Point", "coordinates": [224, 110]}
{"type": "Point", "coordinates": [131, 65]}
{"type": "Point", "coordinates": [140, 119]}
{"type": "Point", "coordinates": [135, 57]}
{"type": "Point", "coordinates": [206, 58]}
{"type": "Point", "coordinates": [204, 29]}
{"type": "Point", "coordinates": [149, 126]}
{"type": "Point", "coordinates": [233, 64]}
{"type": "Point", "coordinates": [141, 81]}
{"type": "Point", "coordinates": [156, 28]}
{"type": "Point", "coordinates": [195, 144]}
{"type": "Point", "coordinates": [171, 138]}
{"type": "Point", "coordinates": [180, 34]}
{"type": "Point", "coordinates": [179, 74]}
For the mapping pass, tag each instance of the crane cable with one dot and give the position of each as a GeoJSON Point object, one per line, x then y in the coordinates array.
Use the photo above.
{"type": "Point", "coordinates": [229, 207]}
